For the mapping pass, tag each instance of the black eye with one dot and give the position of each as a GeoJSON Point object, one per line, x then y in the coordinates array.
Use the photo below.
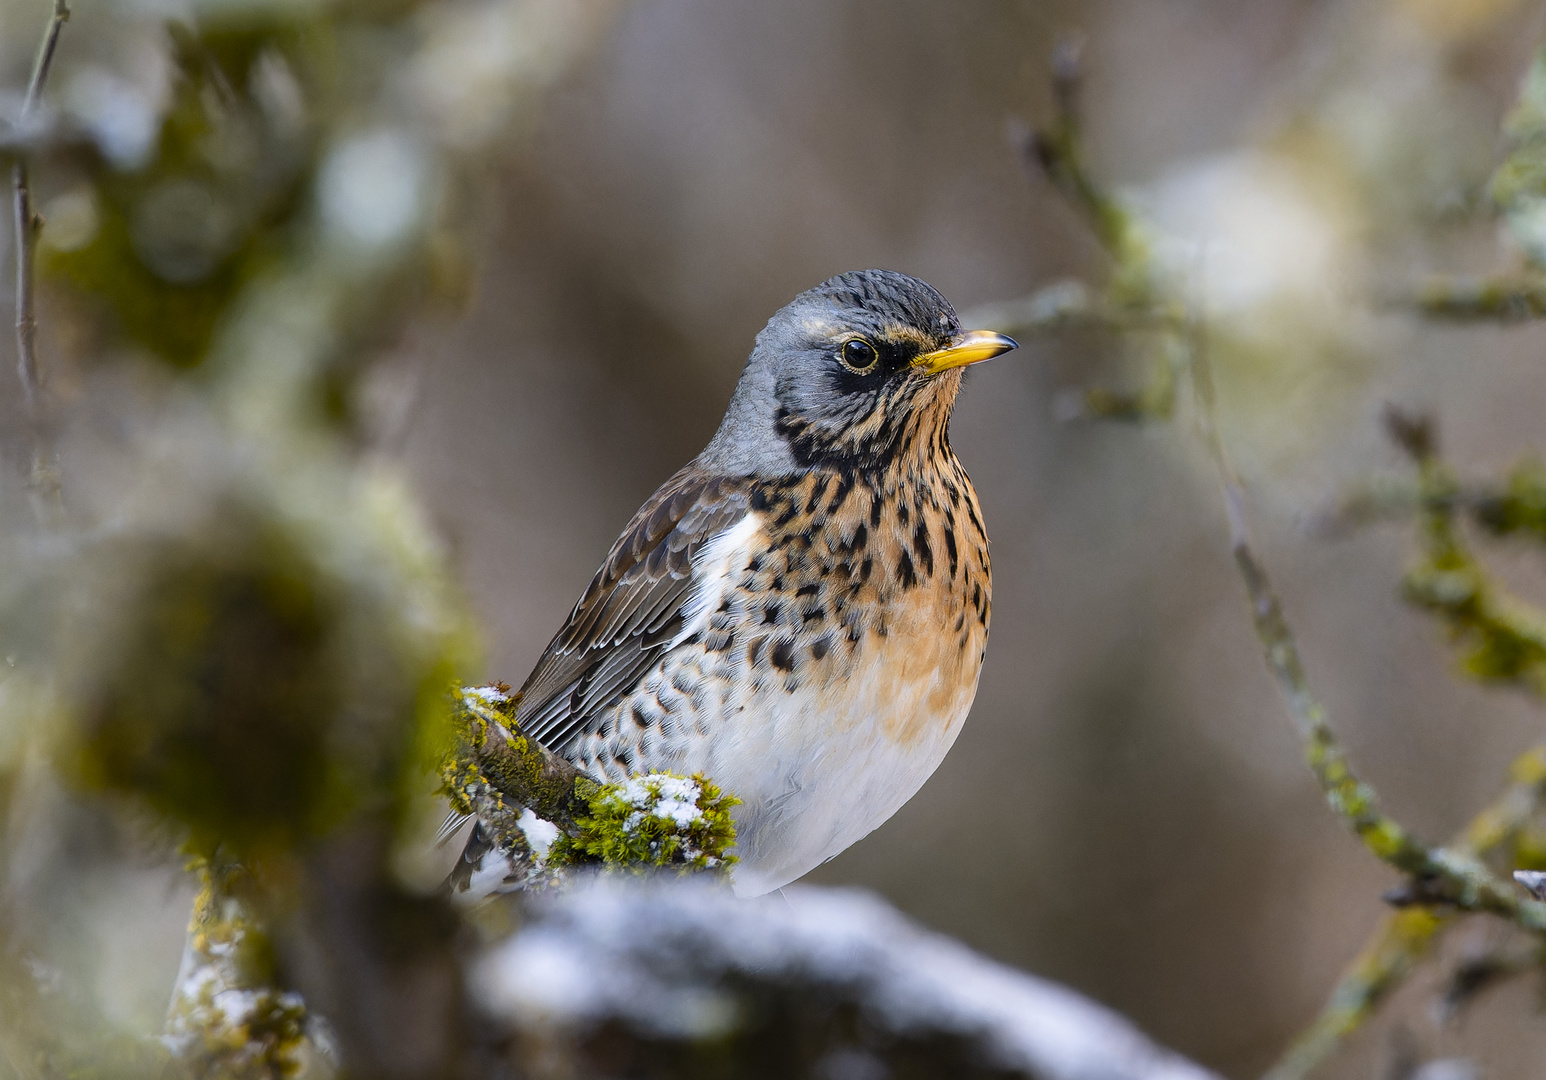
{"type": "Point", "coordinates": [859, 355]}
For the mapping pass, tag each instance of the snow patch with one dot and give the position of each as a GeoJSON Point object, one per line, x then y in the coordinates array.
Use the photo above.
{"type": "Point", "coordinates": [662, 957]}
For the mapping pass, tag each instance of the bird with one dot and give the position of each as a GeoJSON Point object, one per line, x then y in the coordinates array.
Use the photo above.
{"type": "Point", "coordinates": [800, 613]}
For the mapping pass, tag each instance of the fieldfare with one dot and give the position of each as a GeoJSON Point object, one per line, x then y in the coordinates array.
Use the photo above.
{"type": "Point", "coordinates": [800, 614]}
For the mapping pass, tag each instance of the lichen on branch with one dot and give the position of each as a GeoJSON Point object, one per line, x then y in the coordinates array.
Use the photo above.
{"type": "Point", "coordinates": [654, 821]}
{"type": "Point", "coordinates": [227, 1017]}
{"type": "Point", "coordinates": [514, 786]}
{"type": "Point", "coordinates": [1505, 640]}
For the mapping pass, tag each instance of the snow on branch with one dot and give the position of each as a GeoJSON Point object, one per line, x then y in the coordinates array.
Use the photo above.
{"type": "Point", "coordinates": [820, 982]}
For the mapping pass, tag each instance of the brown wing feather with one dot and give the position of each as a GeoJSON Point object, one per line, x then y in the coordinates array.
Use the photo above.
{"type": "Point", "coordinates": [632, 609]}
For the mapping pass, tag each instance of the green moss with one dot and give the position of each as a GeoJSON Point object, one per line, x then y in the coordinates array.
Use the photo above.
{"type": "Point", "coordinates": [1501, 639]}
{"type": "Point", "coordinates": [1520, 507]}
{"type": "Point", "coordinates": [218, 705]}
{"type": "Point", "coordinates": [227, 1019]}
{"type": "Point", "coordinates": [462, 778]}
{"type": "Point", "coordinates": [178, 239]}
{"type": "Point", "coordinates": [654, 821]}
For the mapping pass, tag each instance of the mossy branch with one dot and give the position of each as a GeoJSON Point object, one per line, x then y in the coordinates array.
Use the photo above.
{"type": "Point", "coordinates": [1449, 877]}
{"type": "Point", "coordinates": [1503, 639]}
{"type": "Point", "coordinates": [1407, 936]}
{"type": "Point", "coordinates": [1440, 875]}
{"type": "Point", "coordinates": [494, 772]}
{"type": "Point", "coordinates": [1443, 881]}
{"type": "Point", "coordinates": [492, 767]}
{"type": "Point", "coordinates": [1403, 939]}
{"type": "Point", "coordinates": [1498, 298]}
{"type": "Point", "coordinates": [227, 1019]}
{"type": "Point", "coordinates": [1353, 800]}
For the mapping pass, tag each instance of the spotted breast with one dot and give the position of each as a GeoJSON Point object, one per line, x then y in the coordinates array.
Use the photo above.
{"type": "Point", "coordinates": [812, 645]}
{"type": "Point", "coordinates": [801, 613]}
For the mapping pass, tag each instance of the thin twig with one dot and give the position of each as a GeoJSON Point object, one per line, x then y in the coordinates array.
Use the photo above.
{"type": "Point", "coordinates": [1401, 941]}
{"type": "Point", "coordinates": [26, 224]}
{"type": "Point", "coordinates": [1403, 938]}
{"type": "Point", "coordinates": [1439, 875]}
{"type": "Point", "coordinates": [45, 58]}
{"type": "Point", "coordinates": [1056, 151]}
{"type": "Point", "coordinates": [1453, 877]}
{"type": "Point", "coordinates": [1442, 881]}
{"type": "Point", "coordinates": [1471, 299]}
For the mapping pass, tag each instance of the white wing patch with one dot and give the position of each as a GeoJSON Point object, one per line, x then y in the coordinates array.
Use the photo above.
{"type": "Point", "coordinates": [716, 572]}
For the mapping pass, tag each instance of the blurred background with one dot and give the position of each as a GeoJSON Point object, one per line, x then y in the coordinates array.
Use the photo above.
{"type": "Point", "coordinates": [1127, 809]}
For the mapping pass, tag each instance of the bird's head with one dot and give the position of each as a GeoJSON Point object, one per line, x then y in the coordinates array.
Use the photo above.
{"type": "Point", "coordinates": [861, 368]}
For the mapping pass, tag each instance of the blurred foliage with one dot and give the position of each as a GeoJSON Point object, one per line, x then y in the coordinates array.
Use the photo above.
{"type": "Point", "coordinates": [1502, 639]}
{"type": "Point", "coordinates": [1519, 506]}
{"type": "Point", "coordinates": [247, 647]}
{"type": "Point", "coordinates": [250, 691]}
{"type": "Point", "coordinates": [177, 239]}
{"type": "Point", "coordinates": [1519, 185]}
{"type": "Point", "coordinates": [217, 710]}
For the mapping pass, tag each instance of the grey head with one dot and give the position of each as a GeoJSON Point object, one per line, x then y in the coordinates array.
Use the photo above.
{"type": "Point", "coordinates": [847, 375]}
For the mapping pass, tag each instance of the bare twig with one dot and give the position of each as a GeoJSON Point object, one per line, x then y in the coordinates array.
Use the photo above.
{"type": "Point", "coordinates": [26, 223]}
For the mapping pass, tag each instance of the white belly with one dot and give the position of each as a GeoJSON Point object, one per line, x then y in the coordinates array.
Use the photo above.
{"type": "Point", "coordinates": [820, 768]}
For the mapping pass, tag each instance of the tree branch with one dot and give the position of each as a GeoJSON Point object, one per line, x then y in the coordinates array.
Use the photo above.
{"type": "Point", "coordinates": [25, 219]}
{"type": "Point", "coordinates": [25, 224]}
{"type": "Point", "coordinates": [492, 768]}
{"type": "Point", "coordinates": [1446, 876]}
{"type": "Point", "coordinates": [1472, 299]}
{"type": "Point", "coordinates": [1405, 937]}
{"type": "Point", "coordinates": [1441, 881]}
{"type": "Point", "coordinates": [613, 974]}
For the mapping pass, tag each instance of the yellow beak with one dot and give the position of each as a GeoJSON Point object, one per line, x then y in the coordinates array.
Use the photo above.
{"type": "Point", "coordinates": [973, 347]}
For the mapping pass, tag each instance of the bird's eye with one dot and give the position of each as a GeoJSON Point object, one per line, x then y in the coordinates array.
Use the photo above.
{"type": "Point", "coordinates": [859, 355]}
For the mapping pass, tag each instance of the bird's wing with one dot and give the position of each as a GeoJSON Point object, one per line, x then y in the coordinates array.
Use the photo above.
{"type": "Point", "coordinates": [634, 608]}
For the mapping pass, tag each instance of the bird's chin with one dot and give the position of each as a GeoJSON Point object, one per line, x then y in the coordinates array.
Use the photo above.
{"type": "Point", "coordinates": [938, 389]}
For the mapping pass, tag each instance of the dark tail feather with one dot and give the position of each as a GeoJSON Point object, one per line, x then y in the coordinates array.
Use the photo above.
{"type": "Point", "coordinates": [460, 878]}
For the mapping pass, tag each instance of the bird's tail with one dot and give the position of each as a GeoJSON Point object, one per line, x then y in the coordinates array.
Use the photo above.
{"type": "Point", "coordinates": [470, 865]}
